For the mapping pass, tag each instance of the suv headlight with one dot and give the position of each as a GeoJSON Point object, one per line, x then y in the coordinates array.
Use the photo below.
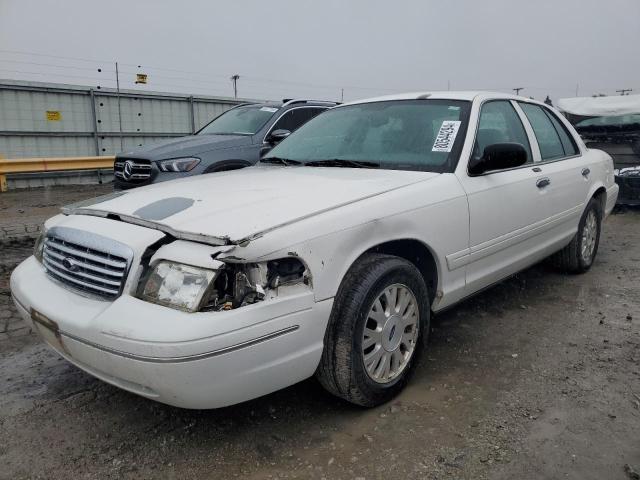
{"type": "Point", "coordinates": [178, 286]}
{"type": "Point", "coordinates": [178, 164]}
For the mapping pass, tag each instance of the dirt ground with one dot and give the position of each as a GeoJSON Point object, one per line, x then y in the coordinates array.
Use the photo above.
{"type": "Point", "coordinates": [537, 378]}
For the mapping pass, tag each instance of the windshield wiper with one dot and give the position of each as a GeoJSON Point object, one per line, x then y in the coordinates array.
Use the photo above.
{"type": "Point", "coordinates": [342, 162]}
{"type": "Point", "coordinates": [278, 160]}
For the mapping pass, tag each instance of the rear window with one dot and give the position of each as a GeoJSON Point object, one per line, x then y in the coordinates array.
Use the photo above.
{"type": "Point", "coordinates": [546, 134]}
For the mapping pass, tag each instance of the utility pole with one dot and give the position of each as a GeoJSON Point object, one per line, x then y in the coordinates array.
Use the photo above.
{"type": "Point", "coordinates": [577, 85]}
{"type": "Point", "coordinates": [342, 95]}
{"type": "Point", "coordinates": [234, 79]}
{"type": "Point", "coordinates": [119, 109]}
{"type": "Point", "coordinates": [448, 85]}
{"type": "Point", "coordinates": [624, 91]}
{"type": "Point", "coordinates": [517, 90]}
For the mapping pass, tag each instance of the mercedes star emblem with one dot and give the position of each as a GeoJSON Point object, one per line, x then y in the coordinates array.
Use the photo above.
{"type": "Point", "coordinates": [127, 171]}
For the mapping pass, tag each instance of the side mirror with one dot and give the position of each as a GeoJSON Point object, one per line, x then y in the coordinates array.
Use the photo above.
{"type": "Point", "coordinates": [498, 157]}
{"type": "Point", "coordinates": [278, 135]}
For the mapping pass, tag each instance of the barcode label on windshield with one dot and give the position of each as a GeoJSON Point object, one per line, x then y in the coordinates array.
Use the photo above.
{"type": "Point", "coordinates": [446, 136]}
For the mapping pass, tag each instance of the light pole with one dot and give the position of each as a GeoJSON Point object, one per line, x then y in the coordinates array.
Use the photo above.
{"type": "Point", "coordinates": [234, 79]}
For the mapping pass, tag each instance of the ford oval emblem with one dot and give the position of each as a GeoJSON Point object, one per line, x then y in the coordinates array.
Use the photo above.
{"type": "Point", "coordinates": [69, 264]}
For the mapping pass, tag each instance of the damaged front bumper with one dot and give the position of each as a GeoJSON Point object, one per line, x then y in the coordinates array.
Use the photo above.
{"type": "Point", "coordinates": [192, 360]}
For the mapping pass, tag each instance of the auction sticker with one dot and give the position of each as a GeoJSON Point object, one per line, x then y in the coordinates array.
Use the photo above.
{"type": "Point", "coordinates": [446, 136]}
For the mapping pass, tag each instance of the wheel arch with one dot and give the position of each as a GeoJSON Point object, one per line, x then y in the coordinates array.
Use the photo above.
{"type": "Point", "coordinates": [416, 252]}
{"type": "Point", "coordinates": [600, 194]}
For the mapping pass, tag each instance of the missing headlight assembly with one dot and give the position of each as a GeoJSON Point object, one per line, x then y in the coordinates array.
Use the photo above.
{"type": "Point", "coordinates": [231, 285]}
{"type": "Point", "coordinates": [240, 284]}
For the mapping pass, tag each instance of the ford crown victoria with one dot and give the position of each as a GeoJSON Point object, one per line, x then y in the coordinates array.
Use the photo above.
{"type": "Point", "coordinates": [328, 258]}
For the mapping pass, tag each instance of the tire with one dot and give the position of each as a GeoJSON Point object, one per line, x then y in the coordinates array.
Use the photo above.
{"type": "Point", "coordinates": [578, 256]}
{"type": "Point", "coordinates": [342, 369]}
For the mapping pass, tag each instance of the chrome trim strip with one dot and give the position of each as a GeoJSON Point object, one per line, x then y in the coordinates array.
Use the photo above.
{"type": "Point", "coordinates": [186, 358]}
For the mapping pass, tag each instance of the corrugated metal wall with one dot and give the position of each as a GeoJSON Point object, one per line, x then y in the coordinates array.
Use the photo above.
{"type": "Point", "coordinates": [52, 120]}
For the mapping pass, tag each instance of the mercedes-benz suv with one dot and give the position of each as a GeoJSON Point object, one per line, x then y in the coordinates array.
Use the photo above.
{"type": "Point", "coordinates": [235, 139]}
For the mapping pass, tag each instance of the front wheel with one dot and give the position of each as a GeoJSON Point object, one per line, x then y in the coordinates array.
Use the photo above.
{"type": "Point", "coordinates": [578, 256]}
{"type": "Point", "coordinates": [378, 325]}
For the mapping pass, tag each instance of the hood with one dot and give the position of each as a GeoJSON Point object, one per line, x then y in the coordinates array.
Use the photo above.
{"type": "Point", "coordinates": [186, 146]}
{"type": "Point", "coordinates": [237, 206]}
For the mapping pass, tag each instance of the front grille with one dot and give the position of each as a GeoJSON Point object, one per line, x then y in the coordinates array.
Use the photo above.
{"type": "Point", "coordinates": [86, 268]}
{"type": "Point", "coordinates": [138, 170]}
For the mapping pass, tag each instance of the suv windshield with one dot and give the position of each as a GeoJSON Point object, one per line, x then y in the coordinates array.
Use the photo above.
{"type": "Point", "coordinates": [245, 120]}
{"type": "Point", "coordinates": [403, 134]}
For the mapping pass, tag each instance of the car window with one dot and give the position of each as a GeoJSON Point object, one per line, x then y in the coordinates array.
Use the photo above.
{"type": "Point", "coordinates": [295, 118]}
{"type": "Point", "coordinates": [404, 134]}
{"type": "Point", "coordinates": [568, 143]}
{"type": "Point", "coordinates": [546, 134]}
{"type": "Point", "coordinates": [499, 123]}
{"type": "Point", "coordinates": [245, 120]}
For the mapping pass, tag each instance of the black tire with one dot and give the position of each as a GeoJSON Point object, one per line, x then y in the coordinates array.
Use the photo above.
{"type": "Point", "coordinates": [570, 259]}
{"type": "Point", "coordinates": [342, 370]}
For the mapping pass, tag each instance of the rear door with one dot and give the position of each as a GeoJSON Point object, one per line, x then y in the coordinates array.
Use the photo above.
{"type": "Point", "coordinates": [565, 168]}
{"type": "Point", "coordinates": [506, 207]}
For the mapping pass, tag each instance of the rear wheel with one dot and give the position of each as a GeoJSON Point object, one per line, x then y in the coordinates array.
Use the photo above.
{"type": "Point", "coordinates": [377, 327]}
{"type": "Point", "coordinates": [578, 256]}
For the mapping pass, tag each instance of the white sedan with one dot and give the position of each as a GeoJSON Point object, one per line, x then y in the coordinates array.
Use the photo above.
{"type": "Point", "coordinates": [328, 258]}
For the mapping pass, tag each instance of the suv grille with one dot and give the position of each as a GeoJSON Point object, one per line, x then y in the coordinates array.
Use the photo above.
{"type": "Point", "coordinates": [132, 170]}
{"type": "Point", "coordinates": [95, 271]}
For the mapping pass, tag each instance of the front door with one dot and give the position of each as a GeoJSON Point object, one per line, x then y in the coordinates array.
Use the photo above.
{"type": "Point", "coordinates": [507, 208]}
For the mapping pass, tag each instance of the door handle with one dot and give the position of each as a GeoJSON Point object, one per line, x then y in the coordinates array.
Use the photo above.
{"type": "Point", "coordinates": [585, 172]}
{"type": "Point", "coordinates": [543, 182]}
{"type": "Point", "coordinates": [536, 169]}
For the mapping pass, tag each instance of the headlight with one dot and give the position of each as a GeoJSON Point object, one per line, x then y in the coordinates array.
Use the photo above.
{"type": "Point", "coordinates": [38, 248]}
{"type": "Point", "coordinates": [178, 286]}
{"type": "Point", "coordinates": [178, 164]}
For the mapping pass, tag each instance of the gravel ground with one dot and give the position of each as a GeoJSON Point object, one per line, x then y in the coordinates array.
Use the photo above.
{"type": "Point", "coordinates": [536, 378]}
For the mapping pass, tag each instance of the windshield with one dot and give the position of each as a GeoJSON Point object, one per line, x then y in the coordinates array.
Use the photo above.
{"type": "Point", "coordinates": [403, 134]}
{"type": "Point", "coordinates": [245, 120]}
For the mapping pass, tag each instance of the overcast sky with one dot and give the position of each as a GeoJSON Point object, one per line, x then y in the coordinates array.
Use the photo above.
{"type": "Point", "coordinates": [293, 48]}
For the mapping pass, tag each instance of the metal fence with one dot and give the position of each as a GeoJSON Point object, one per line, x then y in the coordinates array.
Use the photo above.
{"type": "Point", "coordinates": [55, 120]}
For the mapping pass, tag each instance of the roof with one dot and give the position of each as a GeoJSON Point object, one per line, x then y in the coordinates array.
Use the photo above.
{"type": "Point", "coordinates": [445, 95]}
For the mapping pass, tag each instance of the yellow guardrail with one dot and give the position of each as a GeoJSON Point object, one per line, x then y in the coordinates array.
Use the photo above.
{"type": "Point", "coordinates": [34, 165]}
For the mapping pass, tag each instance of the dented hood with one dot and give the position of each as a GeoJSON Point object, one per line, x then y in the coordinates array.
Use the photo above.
{"type": "Point", "coordinates": [234, 207]}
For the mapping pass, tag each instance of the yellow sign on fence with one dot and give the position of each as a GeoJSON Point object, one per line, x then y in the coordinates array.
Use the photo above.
{"type": "Point", "coordinates": [54, 115]}
{"type": "Point", "coordinates": [141, 78]}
